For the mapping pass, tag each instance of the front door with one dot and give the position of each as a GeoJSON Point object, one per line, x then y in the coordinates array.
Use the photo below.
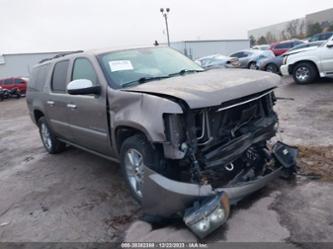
{"type": "Point", "coordinates": [327, 58]}
{"type": "Point", "coordinates": [88, 113]}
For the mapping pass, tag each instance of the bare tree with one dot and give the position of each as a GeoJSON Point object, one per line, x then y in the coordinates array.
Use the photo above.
{"type": "Point", "coordinates": [283, 35]}
{"type": "Point", "coordinates": [314, 28]}
{"type": "Point", "coordinates": [270, 37]}
{"type": "Point", "coordinates": [252, 40]}
{"type": "Point", "coordinates": [262, 40]}
{"type": "Point", "coordinates": [292, 28]}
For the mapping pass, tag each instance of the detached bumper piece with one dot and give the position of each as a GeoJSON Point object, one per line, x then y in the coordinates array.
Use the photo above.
{"type": "Point", "coordinates": [285, 155]}
{"type": "Point", "coordinates": [207, 215]}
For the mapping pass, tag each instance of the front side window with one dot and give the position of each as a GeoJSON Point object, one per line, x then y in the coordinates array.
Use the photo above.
{"type": "Point", "coordinates": [83, 69]}
{"type": "Point", "coordinates": [19, 81]}
{"type": "Point", "coordinates": [131, 66]}
{"type": "Point", "coordinates": [59, 77]}
{"type": "Point", "coordinates": [283, 45]}
{"type": "Point", "coordinates": [239, 55]}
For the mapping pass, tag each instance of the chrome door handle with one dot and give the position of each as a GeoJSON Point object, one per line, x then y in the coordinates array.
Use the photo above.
{"type": "Point", "coordinates": [72, 106]}
{"type": "Point", "coordinates": [50, 102]}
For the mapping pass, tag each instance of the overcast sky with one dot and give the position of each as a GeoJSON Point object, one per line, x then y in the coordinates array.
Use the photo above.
{"type": "Point", "coordinates": [54, 25]}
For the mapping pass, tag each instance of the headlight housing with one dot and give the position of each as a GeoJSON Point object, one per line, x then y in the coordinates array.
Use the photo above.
{"type": "Point", "coordinates": [206, 216]}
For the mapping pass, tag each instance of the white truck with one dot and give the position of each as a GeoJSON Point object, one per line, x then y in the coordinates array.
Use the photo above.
{"type": "Point", "coordinates": [307, 66]}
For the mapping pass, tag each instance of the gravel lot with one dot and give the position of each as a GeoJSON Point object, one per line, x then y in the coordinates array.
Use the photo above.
{"type": "Point", "coordinates": [78, 197]}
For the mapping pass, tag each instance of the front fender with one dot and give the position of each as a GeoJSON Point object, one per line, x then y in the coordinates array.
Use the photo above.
{"type": "Point", "coordinates": [140, 111]}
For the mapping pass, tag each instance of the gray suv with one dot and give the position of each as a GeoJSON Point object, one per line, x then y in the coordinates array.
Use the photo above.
{"type": "Point", "coordinates": [190, 142]}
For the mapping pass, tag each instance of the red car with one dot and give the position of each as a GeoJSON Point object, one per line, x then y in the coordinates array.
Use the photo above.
{"type": "Point", "coordinates": [280, 48]}
{"type": "Point", "coordinates": [17, 82]}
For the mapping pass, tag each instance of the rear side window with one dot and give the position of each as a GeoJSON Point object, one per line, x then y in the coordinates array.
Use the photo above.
{"type": "Point", "coordinates": [83, 69]}
{"type": "Point", "coordinates": [39, 77]}
{"type": "Point", "coordinates": [8, 82]}
{"type": "Point", "coordinates": [59, 77]}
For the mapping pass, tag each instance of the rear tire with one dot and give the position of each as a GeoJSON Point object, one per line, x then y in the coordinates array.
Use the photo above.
{"type": "Point", "coordinates": [272, 68]}
{"type": "Point", "coordinates": [136, 153]}
{"type": "Point", "coordinates": [305, 73]}
{"type": "Point", "coordinates": [50, 142]}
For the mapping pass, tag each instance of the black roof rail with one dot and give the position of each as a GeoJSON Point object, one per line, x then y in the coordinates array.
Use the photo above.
{"type": "Point", "coordinates": [60, 55]}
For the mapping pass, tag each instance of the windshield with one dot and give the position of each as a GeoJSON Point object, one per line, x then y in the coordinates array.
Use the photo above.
{"type": "Point", "coordinates": [140, 65]}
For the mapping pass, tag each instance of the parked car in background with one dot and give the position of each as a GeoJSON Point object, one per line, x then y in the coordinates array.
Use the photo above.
{"type": "Point", "coordinates": [19, 83]}
{"type": "Point", "coordinates": [273, 64]}
{"type": "Point", "coordinates": [321, 36]}
{"type": "Point", "coordinates": [218, 61]}
{"type": "Point", "coordinates": [280, 48]}
{"type": "Point", "coordinates": [306, 45]}
{"type": "Point", "coordinates": [248, 58]}
{"type": "Point", "coordinates": [262, 47]}
{"type": "Point", "coordinates": [307, 66]}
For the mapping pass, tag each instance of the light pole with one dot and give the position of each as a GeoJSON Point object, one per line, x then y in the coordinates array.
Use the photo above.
{"type": "Point", "coordinates": [165, 15]}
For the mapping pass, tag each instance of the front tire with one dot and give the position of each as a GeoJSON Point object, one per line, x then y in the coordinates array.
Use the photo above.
{"type": "Point", "coordinates": [136, 153]}
{"type": "Point", "coordinates": [305, 73]}
{"type": "Point", "coordinates": [252, 65]}
{"type": "Point", "coordinates": [50, 142]}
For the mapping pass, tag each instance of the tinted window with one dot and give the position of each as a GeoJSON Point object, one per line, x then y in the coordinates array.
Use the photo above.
{"type": "Point", "coordinates": [39, 77]}
{"type": "Point", "coordinates": [239, 55]}
{"type": "Point", "coordinates": [59, 76]}
{"type": "Point", "coordinates": [83, 69]}
{"type": "Point", "coordinates": [284, 45]}
{"type": "Point", "coordinates": [18, 81]}
{"type": "Point", "coordinates": [326, 36]}
{"type": "Point", "coordinates": [8, 81]}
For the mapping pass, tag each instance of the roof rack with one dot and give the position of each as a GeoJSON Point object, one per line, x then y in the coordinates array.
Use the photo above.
{"type": "Point", "coordinates": [60, 55]}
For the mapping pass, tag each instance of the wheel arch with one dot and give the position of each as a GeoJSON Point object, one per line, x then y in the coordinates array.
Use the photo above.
{"type": "Point", "coordinates": [292, 66]}
{"type": "Point", "coordinates": [122, 132]}
{"type": "Point", "coordinates": [37, 114]}
{"type": "Point", "coordinates": [250, 62]}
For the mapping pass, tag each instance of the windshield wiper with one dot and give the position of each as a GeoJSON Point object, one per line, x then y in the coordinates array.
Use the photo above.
{"type": "Point", "coordinates": [146, 79]}
{"type": "Point", "coordinates": [143, 80]}
{"type": "Point", "coordinates": [184, 71]}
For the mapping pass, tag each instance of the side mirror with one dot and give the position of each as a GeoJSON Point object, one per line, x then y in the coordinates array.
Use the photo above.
{"type": "Point", "coordinates": [329, 44]}
{"type": "Point", "coordinates": [82, 87]}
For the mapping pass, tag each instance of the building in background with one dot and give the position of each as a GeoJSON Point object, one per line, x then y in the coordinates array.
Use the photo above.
{"type": "Point", "coordinates": [20, 64]}
{"type": "Point", "coordinates": [198, 48]}
{"type": "Point", "coordinates": [301, 28]}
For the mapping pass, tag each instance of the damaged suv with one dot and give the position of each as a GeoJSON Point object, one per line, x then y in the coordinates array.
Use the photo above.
{"type": "Point", "coordinates": [190, 142]}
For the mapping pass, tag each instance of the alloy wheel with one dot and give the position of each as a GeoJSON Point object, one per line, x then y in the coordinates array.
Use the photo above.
{"type": "Point", "coordinates": [46, 136]}
{"type": "Point", "coordinates": [302, 74]}
{"type": "Point", "coordinates": [134, 169]}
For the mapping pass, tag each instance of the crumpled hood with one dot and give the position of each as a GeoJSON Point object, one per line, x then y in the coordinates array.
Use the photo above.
{"type": "Point", "coordinates": [211, 88]}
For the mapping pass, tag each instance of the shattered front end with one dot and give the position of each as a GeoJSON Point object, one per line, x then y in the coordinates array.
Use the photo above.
{"type": "Point", "coordinates": [216, 154]}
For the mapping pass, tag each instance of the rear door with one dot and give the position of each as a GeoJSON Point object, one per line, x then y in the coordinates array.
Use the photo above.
{"type": "Point", "coordinates": [242, 57]}
{"type": "Point", "coordinates": [8, 83]}
{"type": "Point", "coordinates": [88, 113]}
{"type": "Point", "coordinates": [57, 100]}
